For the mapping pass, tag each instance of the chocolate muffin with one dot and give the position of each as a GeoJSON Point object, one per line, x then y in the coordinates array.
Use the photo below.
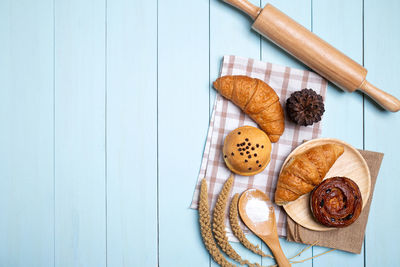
{"type": "Point", "coordinates": [305, 107]}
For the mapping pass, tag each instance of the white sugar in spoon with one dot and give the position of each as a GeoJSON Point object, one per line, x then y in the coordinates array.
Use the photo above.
{"type": "Point", "coordinates": [257, 212]}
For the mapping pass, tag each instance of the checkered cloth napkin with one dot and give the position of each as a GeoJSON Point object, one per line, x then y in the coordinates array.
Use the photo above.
{"type": "Point", "coordinates": [227, 117]}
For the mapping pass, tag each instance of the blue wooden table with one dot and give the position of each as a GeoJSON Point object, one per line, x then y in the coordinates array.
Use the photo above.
{"type": "Point", "coordinates": [104, 112]}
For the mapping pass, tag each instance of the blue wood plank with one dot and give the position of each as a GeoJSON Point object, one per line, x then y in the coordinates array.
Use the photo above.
{"type": "Point", "coordinates": [381, 43]}
{"type": "Point", "coordinates": [26, 136]}
{"type": "Point", "coordinates": [231, 34]}
{"type": "Point", "coordinates": [131, 133]}
{"type": "Point", "coordinates": [183, 69]}
{"type": "Point", "coordinates": [343, 118]}
{"type": "Point", "coordinates": [80, 182]}
{"type": "Point", "coordinates": [301, 12]}
{"type": "Point", "coordinates": [245, 253]}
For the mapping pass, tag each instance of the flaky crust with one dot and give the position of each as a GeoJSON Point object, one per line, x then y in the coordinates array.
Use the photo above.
{"type": "Point", "coordinates": [257, 99]}
{"type": "Point", "coordinates": [304, 171]}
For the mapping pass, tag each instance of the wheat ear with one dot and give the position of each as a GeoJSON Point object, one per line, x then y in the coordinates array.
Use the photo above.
{"type": "Point", "coordinates": [219, 222]}
{"type": "Point", "coordinates": [205, 228]}
{"type": "Point", "coordinates": [237, 231]}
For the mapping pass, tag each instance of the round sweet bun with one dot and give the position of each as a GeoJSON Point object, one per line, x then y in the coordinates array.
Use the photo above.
{"type": "Point", "coordinates": [247, 150]}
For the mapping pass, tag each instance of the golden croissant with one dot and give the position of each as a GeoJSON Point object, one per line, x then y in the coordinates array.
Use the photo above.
{"type": "Point", "coordinates": [305, 171]}
{"type": "Point", "coordinates": [257, 99]}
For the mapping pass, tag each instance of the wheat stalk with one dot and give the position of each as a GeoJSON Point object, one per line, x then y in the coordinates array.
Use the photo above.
{"type": "Point", "coordinates": [205, 228]}
{"type": "Point", "coordinates": [219, 222]}
{"type": "Point", "coordinates": [237, 231]}
{"type": "Point", "coordinates": [219, 228]}
{"type": "Point", "coordinates": [316, 256]}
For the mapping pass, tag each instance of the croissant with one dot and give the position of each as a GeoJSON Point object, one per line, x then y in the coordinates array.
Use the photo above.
{"type": "Point", "coordinates": [257, 99]}
{"type": "Point", "coordinates": [305, 171]}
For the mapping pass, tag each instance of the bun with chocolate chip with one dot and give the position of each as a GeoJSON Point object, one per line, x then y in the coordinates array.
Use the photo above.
{"type": "Point", "coordinates": [247, 150]}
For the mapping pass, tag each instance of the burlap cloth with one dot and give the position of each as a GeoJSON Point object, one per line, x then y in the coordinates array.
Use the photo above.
{"type": "Point", "coordinates": [350, 238]}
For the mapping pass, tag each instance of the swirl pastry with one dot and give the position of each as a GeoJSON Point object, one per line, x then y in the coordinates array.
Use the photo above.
{"type": "Point", "coordinates": [336, 202]}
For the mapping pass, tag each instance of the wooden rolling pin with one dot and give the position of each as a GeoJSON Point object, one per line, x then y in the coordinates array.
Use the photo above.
{"type": "Point", "coordinates": [313, 51]}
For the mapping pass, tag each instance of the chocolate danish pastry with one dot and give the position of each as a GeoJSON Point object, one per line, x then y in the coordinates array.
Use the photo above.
{"type": "Point", "coordinates": [336, 202]}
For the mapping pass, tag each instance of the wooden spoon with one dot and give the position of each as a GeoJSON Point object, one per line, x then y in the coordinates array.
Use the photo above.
{"type": "Point", "coordinates": [262, 222]}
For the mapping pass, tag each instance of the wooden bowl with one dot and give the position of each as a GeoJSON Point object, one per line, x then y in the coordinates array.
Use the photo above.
{"type": "Point", "coordinates": [350, 164]}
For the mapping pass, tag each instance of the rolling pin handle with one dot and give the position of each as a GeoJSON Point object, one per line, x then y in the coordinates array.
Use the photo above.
{"type": "Point", "coordinates": [384, 99]}
{"type": "Point", "coordinates": [246, 7]}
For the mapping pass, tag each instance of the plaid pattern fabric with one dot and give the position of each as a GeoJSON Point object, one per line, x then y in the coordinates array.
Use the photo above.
{"type": "Point", "coordinates": [227, 117]}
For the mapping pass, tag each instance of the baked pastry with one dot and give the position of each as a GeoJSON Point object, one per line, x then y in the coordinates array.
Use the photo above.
{"type": "Point", "coordinates": [305, 107]}
{"type": "Point", "coordinates": [304, 171]}
{"type": "Point", "coordinates": [257, 99]}
{"type": "Point", "coordinates": [247, 150]}
{"type": "Point", "coordinates": [336, 202]}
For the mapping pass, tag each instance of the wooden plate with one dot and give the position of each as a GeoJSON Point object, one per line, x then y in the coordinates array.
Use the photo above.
{"type": "Point", "coordinates": [350, 164]}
